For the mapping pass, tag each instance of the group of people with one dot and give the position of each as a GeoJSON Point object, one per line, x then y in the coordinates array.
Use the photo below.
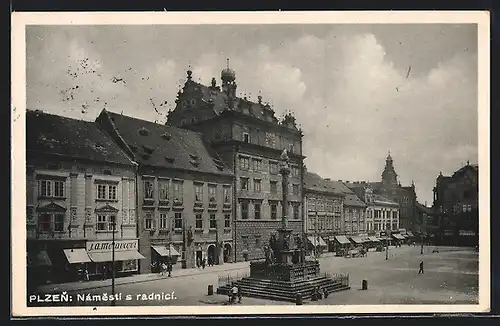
{"type": "Point", "coordinates": [318, 294]}
{"type": "Point", "coordinates": [202, 262]}
{"type": "Point", "coordinates": [162, 267]}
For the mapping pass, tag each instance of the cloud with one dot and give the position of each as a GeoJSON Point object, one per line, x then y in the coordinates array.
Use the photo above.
{"type": "Point", "coordinates": [353, 101]}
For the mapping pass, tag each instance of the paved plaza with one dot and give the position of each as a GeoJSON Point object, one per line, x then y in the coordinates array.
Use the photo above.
{"type": "Point", "coordinates": [451, 277]}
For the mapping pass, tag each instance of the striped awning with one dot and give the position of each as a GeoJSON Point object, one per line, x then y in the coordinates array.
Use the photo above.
{"type": "Point", "coordinates": [398, 236]}
{"type": "Point", "coordinates": [357, 239]}
{"type": "Point", "coordinates": [165, 252]}
{"type": "Point", "coordinates": [373, 239]}
{"type": "Point", "coordinates": [77, 255]}
{"type": "Point", "coordinates": [317, 241]}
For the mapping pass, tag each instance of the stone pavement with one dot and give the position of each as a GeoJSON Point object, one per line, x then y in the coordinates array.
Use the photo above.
{"type": "Point", "coordinates": [87, 285]}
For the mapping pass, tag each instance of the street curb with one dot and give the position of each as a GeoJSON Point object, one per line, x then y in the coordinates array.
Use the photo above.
{"type": "Point", "coordinates": [143, 281]}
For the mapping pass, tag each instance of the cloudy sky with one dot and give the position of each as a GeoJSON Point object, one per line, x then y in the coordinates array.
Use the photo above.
{"type": "Point", "coordinates": [358, 91]}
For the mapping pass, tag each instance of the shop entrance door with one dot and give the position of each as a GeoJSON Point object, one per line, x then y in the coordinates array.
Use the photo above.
{"type": "Point", "coordinates": [211, 255]}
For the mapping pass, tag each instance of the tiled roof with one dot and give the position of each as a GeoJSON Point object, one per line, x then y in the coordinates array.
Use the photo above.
{"type": "Point", "coordinates": [353, 200]}
{"type": "Point", "coordinates": [473, 167]}
{"type": "Point", "coordinates": [165, 146]}
{"type": "Point", "coordinates": [53, 134]}
{"type": "Point", "coordinates": [313, 181]}
{"type": "Point", "coordinates": [220, 98]}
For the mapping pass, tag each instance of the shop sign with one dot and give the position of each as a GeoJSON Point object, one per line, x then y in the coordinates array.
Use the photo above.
{"type": "Point", "coordinates": [107, 245]}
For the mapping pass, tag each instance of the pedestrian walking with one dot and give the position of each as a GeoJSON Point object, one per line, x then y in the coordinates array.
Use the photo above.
{"type": "Point", "coordinates": [86, 274]}
{"type": "Point", "coordinates": [163, 268]}
{"type": "Point", "coordinates": [239, 294]}
{"type": "Point", "coordinates": [203, 263]}
{"type": "Point", "coordinates": [104, 272]}
{"type": "Point", "coordinates": [421, 269]}
{"type": "Point", "coordinates": [234, 293]}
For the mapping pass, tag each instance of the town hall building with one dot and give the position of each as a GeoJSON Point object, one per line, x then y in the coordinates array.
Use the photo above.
{"type": "Point", "coordinates": [249, 138]}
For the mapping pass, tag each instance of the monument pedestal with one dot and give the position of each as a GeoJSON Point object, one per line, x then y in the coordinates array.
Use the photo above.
{"type": "Point", "coordinates": [285, 274]}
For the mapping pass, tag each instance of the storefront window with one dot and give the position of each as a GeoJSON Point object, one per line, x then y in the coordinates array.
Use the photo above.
{"type": "Point", "coordinates": [128, 265]}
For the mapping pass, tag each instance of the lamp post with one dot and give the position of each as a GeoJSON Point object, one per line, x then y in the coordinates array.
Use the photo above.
{"type": "Point", "coordinates": [387, 245]}
{"type": "Point", "coordinates": [217, 248]}
{"type": "Point", "coordinates": [113, 302]}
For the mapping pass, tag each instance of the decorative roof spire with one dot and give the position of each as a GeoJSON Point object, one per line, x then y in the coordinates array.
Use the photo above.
{"type": "Point", "coordinates": [389, 175]}
{"type": "Point", "coordinates": [189, 72]}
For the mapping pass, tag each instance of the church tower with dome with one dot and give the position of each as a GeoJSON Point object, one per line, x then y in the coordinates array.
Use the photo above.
{"type": "Point", "coordinates": [389, 175]}
{"type": "Point", "coordinates": [248, 138]}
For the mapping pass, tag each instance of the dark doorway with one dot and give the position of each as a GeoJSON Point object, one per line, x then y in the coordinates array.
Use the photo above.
{"type": "Point", "coordinates": [211, 255]}
{"type": "Point", "coordinates": [227, 252]}
{"type": "Point", "coordinates": [199, 257]}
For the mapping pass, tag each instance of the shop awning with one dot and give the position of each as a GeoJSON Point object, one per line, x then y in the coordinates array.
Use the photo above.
{"type": "Point", "coordinates": [40, 259]}
{"type": "Point", "coordinates": [317, 241]}
{"type": "Point", "coordinates": [357, 239]}
{"type": "Point", "coordinates": [398, 236]}
{"type": "Point", "coordinates": [98, 257]}
{"type": "Point", "coordinates": [77, 255]}
{"type": "Point", "coordinates": [373, 239]}
{"type": "Point", "coordinates": [165, 251]}
{"type": "Point", "coordinates": [342, 239]}
{"type": "Point", "coordinates": [410, 234]}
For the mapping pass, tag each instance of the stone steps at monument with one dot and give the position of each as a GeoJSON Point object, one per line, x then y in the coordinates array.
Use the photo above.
{"type": "Point", "coordinates": [284, 291]}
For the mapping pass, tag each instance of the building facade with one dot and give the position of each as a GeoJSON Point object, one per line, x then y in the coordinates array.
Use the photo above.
{"type": "Point", "coordinates": [249, 139]}
{"type": "Point", "coordinates": [323, 214]}
{"type": "Point", "coordinates": [80, 195]}
{"type": "Point", "coordinates": [184, 192]}
{"type": "Point", "coordinates": [381, 213]}
{"type": "Point", "coordinates": [390, 188]}
{"type": "Point", "coordinates": [456, 207]}
{"type": "Point", "coordinates": [354, 222]}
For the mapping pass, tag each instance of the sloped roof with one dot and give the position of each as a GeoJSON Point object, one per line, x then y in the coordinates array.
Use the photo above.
{"type": "Point", "coordinates": [313, 181]}
{"type": "Point", "coordinates": [424, 208]}
{"type": "Point", "coordinates": [462, 170]}
{"type": "Point", "coordinates": [165, 146]}
{"type": "Point", "coordinates": [53, 134]}
{"type": "Point", "coordinates": [353, 200]}
{"type": "Point", "coordinates": [220, 98]}
{"type": "Point", "coordinates": [380, 198]}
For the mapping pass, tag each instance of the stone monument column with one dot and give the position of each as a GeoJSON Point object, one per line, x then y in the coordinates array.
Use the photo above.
{"type": "Point", "coordinates": [285, 171]}
{"type": "Point", "coordinates": [285, 254]}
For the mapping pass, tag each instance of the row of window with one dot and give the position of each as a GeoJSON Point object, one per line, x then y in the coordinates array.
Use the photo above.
{"type": "Point", "coordinates": [328, 223]}
{"type": "Point", "coordinates": [273, 186]}
{"type": "Point", "coordinates": [273, 209]}
{"type": "Point", "coordinates": [270, 140]}
{"type": "Point", "coordinates": [177, 191]}
{"type": "Point", "coordinates": [54, 222]}
{"type": "Point", "coordinates": [57, 189]}
{"type": "Point", "coordinates": [382, 227]}
{"type": "Point", "coordinates": [256, 166]}
{"type": "Point", "coordinates": [323, 206]}
{"type": "Point", "coordinates": [177, 221]}
{"type": "Point", "coordinates": [382, 214]}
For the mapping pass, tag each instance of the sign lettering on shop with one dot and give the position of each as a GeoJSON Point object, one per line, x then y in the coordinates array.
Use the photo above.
{"type": "Point", "coordinates": [104, 246]}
